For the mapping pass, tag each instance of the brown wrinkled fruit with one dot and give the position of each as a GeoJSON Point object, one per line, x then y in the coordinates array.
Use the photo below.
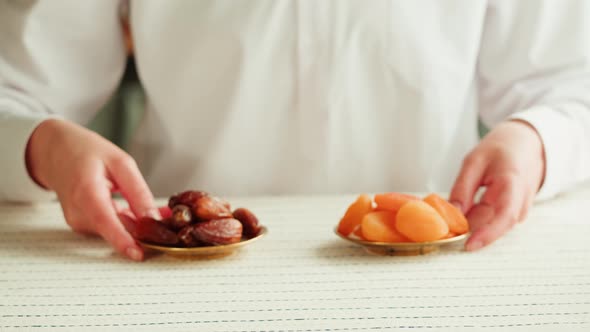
{"type": "Point", "coordinates": [218, 231]}
{"type": "Point", "coordinates": [188, 198]}
{"type": "Point", "coordinates": [225, 203]}
{"type": "Point", "coordinates": [151, 230]}
{"type": "Point", "coordinates": [173, 224]}
{"type": "Point", "coordinates": [208, 208]}
{"type": "Point", "coordinates": [249, 221]}
{"type": "Point", "coordinates": [197, 219]}
{"type": "Point", "coordinates": [182, 214]}
{"type": "Point", "coordinates": [186, 237]}
{"type": "Point", "coordinates": [129, 223]}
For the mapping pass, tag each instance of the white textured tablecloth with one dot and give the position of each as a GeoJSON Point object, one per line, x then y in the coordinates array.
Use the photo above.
{"type": "Point", "coordinates": [301, 277]}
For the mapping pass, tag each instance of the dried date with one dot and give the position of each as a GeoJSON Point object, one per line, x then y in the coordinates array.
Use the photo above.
{"type": "Point", "coordinates": [151, 230]}
{"type": "Point", "coordinates": [172, 224]}
{"type": "Point", "coordinates": [186, 237]}
{"type": "Point", "coordinates": [196, 219]}
{"type": "Point", "coordinates": [182, 214]}
{"type": "Point", "coordinates": [188, 198]}
{"type": "Point", "coordinates": [250, 224]}
{"type": "Point", "coordinates": [208, 208]}
{"type": "Point", "coordinates": [218, 231]}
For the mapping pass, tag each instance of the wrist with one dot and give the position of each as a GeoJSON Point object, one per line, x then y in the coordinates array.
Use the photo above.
{"type": "Point", "coordinates": [38, 154]}
{"type": "Point", "coordinates": [536, 143]}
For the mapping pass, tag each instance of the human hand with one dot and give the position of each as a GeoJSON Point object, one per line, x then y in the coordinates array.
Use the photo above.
{"type": "Point", "coordinates": [510, 163]}
{"type": "Point", "coordinates": [84, 170]}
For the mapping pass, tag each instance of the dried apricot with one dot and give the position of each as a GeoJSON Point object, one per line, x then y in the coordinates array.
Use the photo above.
{"type": "Point", "coordinates": [449, 235]}
{"type": "Point", "coordinates": [357, 233]}
{"type": "Point", "coordinates": [392, 201]}
{"type": "Point", "coordinates": [454, 217]}
{"type": "Point", "coordinates": [420, 222]}
{"type": "Point", "coordinates": [354, 214]}
{"type": "Point", "coordinates": [379, 226]}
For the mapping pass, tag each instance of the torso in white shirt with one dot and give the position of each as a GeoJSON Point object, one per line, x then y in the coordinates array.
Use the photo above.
{"type": "Point", "coordinates": [287, 97]}
{"type": "Point", "coordinates": [267, 97]}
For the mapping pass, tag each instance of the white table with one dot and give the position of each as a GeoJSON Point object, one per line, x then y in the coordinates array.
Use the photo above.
{"type": "Point", "coordinates": [301, 277]}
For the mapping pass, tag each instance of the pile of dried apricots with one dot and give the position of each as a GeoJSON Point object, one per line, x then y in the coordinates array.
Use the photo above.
{"type": "Point", "coordinates": [397, 217]}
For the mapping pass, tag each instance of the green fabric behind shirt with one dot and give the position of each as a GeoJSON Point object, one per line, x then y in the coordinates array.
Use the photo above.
{"type": "Point", "coordinates": [120, 117]}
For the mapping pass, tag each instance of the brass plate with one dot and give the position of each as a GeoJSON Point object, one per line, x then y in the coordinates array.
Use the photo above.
{"type": "Point", "coordinates": [209, 251]}
{"type": "Point", "coordinates": [403, 248]}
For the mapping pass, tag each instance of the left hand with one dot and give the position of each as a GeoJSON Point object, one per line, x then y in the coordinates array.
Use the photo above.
{"type": "Point", "coordinates": [510, 163]}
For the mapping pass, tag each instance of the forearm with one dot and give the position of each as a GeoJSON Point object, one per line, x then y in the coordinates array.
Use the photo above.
{"type": "Point", "coordinates": [19, 116]}
{"type": "Point", "coordinates": [565, 133]}
{"type": "Point", "coordinates": [536, 75]}
{"type": "Point", "coordinates": [51, 64]}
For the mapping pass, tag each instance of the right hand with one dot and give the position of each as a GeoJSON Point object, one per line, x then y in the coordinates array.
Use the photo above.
{"type": "Point", "coordinates": [84, 170]}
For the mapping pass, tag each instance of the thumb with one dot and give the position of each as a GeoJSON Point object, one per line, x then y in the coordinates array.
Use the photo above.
{"type": "Point", "coordinates": [468, 181]}
{"type": "Point", "coordinates": [128, 179]}
{"type": "Point", "coordinates": [497, 212]}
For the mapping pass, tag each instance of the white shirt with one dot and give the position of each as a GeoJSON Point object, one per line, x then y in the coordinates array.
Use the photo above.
{"type": "Point", "coordinates": [273, 97]}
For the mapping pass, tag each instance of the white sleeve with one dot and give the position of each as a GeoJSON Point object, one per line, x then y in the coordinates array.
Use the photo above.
{"type": "Point", "coordinates": [534, 65]}
{"type": "Point", "coordinates": [57, 58]}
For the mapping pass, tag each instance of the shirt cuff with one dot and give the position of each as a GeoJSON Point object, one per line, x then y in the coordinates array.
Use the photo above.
{"type": "Point", "coordinates": [15, 182]}
{"type": "Point", "coordinates": [553, 127]}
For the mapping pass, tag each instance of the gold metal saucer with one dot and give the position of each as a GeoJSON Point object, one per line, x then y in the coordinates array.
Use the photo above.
{"type": "Point", "coordinates": [403, 248]}
{"type": "Point", "coordinates": [208, 251]}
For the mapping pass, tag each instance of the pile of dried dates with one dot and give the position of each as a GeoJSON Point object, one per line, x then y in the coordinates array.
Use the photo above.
{"type": "Point", "coordinates": [198, 219]}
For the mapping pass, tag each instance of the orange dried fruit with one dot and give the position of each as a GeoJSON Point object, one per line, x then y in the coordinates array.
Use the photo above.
{"type": "Point", "coordinates": [454, 217]}
{"type": "Point", "coordinates": [357, 233]}
{"type": "Point", "coordinates": [392, 201]}
{"type": "Point", "coordinates": [420, 222]}
{"type": "Point", "coordinates": [354, 214]}
{"type": "Point", "coordinates": [379, 226]}
{"type": "Point", "coordinates": [449, 235]}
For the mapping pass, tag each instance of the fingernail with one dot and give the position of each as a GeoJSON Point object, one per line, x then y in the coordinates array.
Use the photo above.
{"type": "Point", "coordinates": [458, 205]}
{"type": "Point", "coordinates": [472, 246]}
{"type": "Point", "coordinates": [153, 213]}
{"type": "Point", "coordinates": [134, 254]}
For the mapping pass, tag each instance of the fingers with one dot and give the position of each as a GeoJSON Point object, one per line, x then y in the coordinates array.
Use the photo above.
{"type": "Point", "coordinates": [165, 212]}
{"type": "Point", "coordinates": [102, 215]}
{"type": "Point", "coordinates": [125, 173]}
{"type": "Point", "coordinates": [89, 168]}
{"type": "Point", "coordinates": [503, 203]}
{"type": "Point", "coordinates": [468, 182]}
{"type": "Point", "coordinates": [76, 222]}
{"type": "Point", "coordinates": [128, 219]}
{"type": "Point", "coordinates": [129, 223]}
{"type": "Point", "coordinates": [480, 216]}
{"type": "Point", "coordinates": [496, 213]}
{"type": "Point", "coordinates": [527, 203]}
